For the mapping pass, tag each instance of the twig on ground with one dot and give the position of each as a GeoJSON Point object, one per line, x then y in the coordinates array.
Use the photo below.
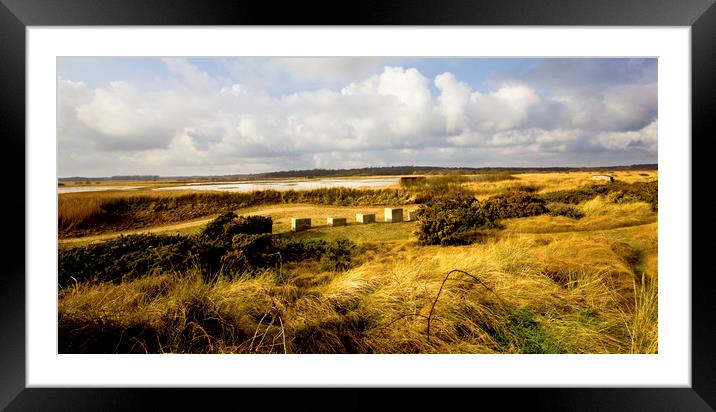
{"type": "Point", "coordinates": [432, 308]}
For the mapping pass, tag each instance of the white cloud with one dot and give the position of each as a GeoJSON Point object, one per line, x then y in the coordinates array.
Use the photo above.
{"type": "Point", "coordinates": [645, 138]}
{"type": "Point", "coordinates": [207, 126]}
{"type": "Point", "coordinates": [125, 118]}
{"type": "Point", "coordinates": [192, 76]}
{"type": "Point", "coordinates": [235, 90]}
{"type": "Point", "coordinates": [453, 101]}
{"type": "Point", "coordinates": [322, 69]}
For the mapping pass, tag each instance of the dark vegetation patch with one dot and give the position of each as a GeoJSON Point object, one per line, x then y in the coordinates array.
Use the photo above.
{"type": "Point", "coordinates": [561, 209]}
{"type": "Point", "coordinates": [524, 333]}
{"type": "Point", "coordinates": [454, 219]}
{"type": "Point", "coordinates": [197, 326]}
{"type": "Point", "coordinates": [617, 191]}
{"type": "Point", "coordinates": [231, 245]}
{"type": "Point", "coordinates": [512, 205]}
{"type": "Point", "coordinates": [449, 221]}
{"type": "Point", "coordinates": [522, 188]}
{"type": "Point", "coordinates": [443, 221]}
{"type": "Point", "coordinates": [336, 334]}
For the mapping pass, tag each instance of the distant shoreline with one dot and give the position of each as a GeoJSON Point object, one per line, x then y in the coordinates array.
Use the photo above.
{"type": "Point", "coordinates": [364, 172]}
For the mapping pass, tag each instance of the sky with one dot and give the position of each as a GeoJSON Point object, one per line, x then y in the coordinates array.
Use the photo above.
{"type": "Point", "coordinates": [222, 116]}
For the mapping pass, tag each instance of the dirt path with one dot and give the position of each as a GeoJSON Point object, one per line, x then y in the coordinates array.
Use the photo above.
{"type": "Point", "coordinates": [174, 227]}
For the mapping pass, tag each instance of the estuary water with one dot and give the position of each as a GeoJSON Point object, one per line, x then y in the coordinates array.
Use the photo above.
{"type": "Point", "coordinates": [286, 184]}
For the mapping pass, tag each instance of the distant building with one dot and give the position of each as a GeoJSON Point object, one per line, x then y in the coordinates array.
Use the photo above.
{"type": "Point", "coordinates": [603, 178]}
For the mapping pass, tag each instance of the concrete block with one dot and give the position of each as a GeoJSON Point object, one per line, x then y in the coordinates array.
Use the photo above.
{"type": "Point", "coordinates": [365, 218]}
{"type": "Point", "coordinates": [393, 215]}
{"type": "Point", "coordinates": [605, 178]}
{"type": "Point", "coordinates": [298, 224]}
{"type": "Point", "coordinates": [337, 221]}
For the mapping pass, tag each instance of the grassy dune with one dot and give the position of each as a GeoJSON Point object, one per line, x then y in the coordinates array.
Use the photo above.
{"type": "Point", "coordinates": [599, 215]}
{"type": "Point", "coordinates": [540, 284]}
{"type": "Point", "coordinates": [570, 295]}
{"type": "Point", "coordinates": [550, 182]}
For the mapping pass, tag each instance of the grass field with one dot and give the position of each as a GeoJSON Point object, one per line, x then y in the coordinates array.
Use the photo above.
{"type": "Point", "coordinates": [537, 284]}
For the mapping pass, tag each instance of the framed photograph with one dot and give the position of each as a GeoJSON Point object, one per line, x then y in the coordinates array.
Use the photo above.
{"type": "Point", "coordinates": [460, 195]}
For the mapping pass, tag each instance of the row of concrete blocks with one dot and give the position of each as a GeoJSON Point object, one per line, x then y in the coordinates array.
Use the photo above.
{"type": "Point", "coordinates": [391, 215]}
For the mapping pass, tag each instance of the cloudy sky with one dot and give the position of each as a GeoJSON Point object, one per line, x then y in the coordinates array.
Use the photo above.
{"type": "Point", "coordinates": [218, 116]}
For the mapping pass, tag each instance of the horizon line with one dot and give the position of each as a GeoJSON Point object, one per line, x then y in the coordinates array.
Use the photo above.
{"type": "Point", "coordinates": [363, 168]}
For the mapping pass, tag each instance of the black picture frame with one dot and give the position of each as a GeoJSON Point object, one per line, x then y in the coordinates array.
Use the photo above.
{"type": "Point", "coordinates": [16, 15]}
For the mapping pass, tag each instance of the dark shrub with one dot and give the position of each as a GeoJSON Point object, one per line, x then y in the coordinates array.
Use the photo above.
{"type": "Point", "coordinates": [228, 224]}
{"type": "Point", "coordinates": [453, 221]}
{"type": "Point", "coordinates": [334, 256]}
{"type": "Point", "coordinates": [640, 191]}
{"type": "Point", "coordinates": [296, 250]}
{"type": "Point", "coordinates": [249, 252]}
{"type": "Point", "coordinates": [125, 257]}
{"type": "Point", "coordinates": [233, 244]}
{"type": "Point", "coordinates": [442, 220]}
{"type": "Point", "coordinates": [559, 209]}
{"type": "Point", "coordinates": [514, 204]}
{"type": "Point", "coordinates": [215, 228]}
{"type": "Point", "coordinates": [338, 255]}
{"type": "Point", "coordinates": [578, 195]}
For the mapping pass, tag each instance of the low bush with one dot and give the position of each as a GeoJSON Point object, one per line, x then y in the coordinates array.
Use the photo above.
{"type": "Point", "coordinates": [337, 255]}
{"type": "Point", "coordinates": [125, 257]}
{"type": "Point", "coordinates": [577, 195]}
{"type": "Point", "coordinates": [513, 204]}
{"type": "Point", "coordinates": [231, 244]}
{"type": "Point", "coordinates": [560, 209]}
{"type": "Point", "coordinates": [647, 192]}
{"type": "Point", "coordinates": [442, 221]}
{"type": "Point", "coordinates": [451, 221]}
{"type": "Point", "coordinates": [228, 225]}
{"type": "Point", "coordinates": [247, 253]}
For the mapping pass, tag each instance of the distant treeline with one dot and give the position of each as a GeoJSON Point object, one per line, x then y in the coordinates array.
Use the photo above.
{"type": "Point", "coordinates": [379, 171]}
{"type": "Point", "coordinates": [408, 170]}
